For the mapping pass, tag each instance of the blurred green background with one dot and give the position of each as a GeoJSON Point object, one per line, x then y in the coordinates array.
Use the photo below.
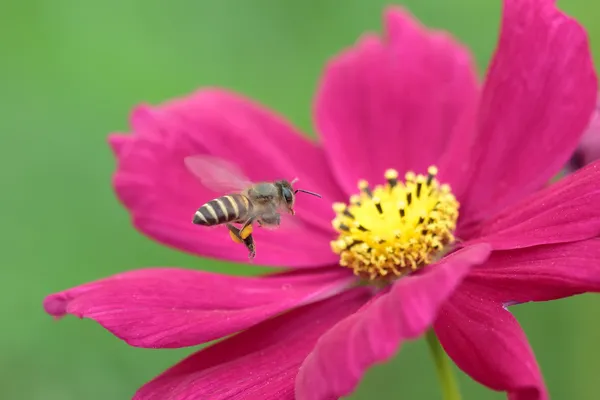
{"type": "Point", "coordinates": [72, 69]}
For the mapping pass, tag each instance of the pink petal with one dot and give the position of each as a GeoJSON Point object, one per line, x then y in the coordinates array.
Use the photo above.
{"type": "Point", "coordinates": [537, 100]}
{"type": "Point", "coordinates": [540, 273]}
{"type": "Point", "coordinates": [589, 147]}
{"type": "Point", "coordinates": [374, 334]}
{"type": "Point", "coordinates": [564, 212]}
{"type": "Point", "coordinates": [118, 142]}
{"type": "Point", "coordinates": [162, 195]}
{"type": "Point", "coordinates": [487, 343]}
{"type": "Point", "coordinates": [169, 307]}
{"type": "Point", "coordinates": [394, 102]}
{"type": "Point", "coordinates": [260, 363]}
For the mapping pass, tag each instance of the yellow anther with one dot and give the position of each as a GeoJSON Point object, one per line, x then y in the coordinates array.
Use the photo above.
{"type": "Point", "coordinates": [391, 174]}
{"type": "Point", "coordinates": [339, 207]}
{"type": "Point", "coordinates": [387, 233]}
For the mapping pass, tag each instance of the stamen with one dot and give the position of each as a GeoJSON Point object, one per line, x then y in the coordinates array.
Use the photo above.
{"type": "Point", "coordinates": [344, 227]}
{"type": "Point", "coordinates": [387, 232]}
{"type": "Point", "coordinates": [391, 175]}
{"type": "Point", "coordinates": [361, 228]}
{"type": "Point", "coordinates": [420, 180]}
{"type": "Point", "coordinates": [355, 200]}
{"type": "Point", "coordinates": [401, 207]}
{"type": "Point", "coordinates": [431, 173]}
{"type": "Point", "coordinates": [377, 203]}
{"type": "Point", "coordinates": [341, 208]}
{"type": "Point", "coordinates": [364, 187]}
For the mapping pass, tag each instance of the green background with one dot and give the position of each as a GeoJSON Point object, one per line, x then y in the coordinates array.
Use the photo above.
{"type": "Point", "coordinates": [72, 69]}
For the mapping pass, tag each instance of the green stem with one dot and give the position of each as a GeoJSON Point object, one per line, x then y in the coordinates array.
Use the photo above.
{"type": "Point", "coordinates": [443, 368]}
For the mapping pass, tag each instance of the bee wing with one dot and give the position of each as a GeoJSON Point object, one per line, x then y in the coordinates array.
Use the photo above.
{"type": "Point", "coordinates": [287, 222]}
{"type": "Point", "coordinates": [217, 174]}
{"type": "Point", "coordinates": [292, 222]}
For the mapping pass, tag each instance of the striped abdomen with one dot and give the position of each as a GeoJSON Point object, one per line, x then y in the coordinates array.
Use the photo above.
{"type": "Point", "coordinates": [230, 208]}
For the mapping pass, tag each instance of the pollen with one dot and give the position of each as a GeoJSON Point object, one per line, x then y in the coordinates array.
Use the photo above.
{"type": "Point", "coordinates": [247, 231]}
{"type": "Point", "coordinates": [394, 229]}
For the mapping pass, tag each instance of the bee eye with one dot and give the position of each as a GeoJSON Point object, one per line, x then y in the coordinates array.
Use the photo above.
{"type": "Point", "coordinates": [287, 195]}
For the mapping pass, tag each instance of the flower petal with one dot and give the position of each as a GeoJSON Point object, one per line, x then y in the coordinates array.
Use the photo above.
{"type": "Point", "coordinates": [588, 150]}
{"type": "Point", "coordinates": [375, 333]}
{"type": "Point", "coordinates": [537, 100]}
{"type": "Point", "coordinates": [259, 363]}
{"type": "Point", "coordinates": [170, 307]}
{"type": "Point", "coordinates": [487, 343]}
{"type": "Point", "coordinates": [564, 212]}
{"type": "Point", "coordinates": [162, 195]}
{"type": "Point", "coordinates": [540, 273]}
{"type": "Point", "coordinates": [394, 103]}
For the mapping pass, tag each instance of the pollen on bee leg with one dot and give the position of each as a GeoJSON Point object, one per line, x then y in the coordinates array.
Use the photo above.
{"type": "Point", "coordinates": [396, 228]}
{"type": "Point", "coordinates": [234, 237]}
{"type": "Point", "coordinates": [247, 231]}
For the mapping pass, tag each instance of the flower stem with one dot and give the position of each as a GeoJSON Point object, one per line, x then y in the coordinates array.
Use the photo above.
{"type": "Point", "coordinates": [443, 367]}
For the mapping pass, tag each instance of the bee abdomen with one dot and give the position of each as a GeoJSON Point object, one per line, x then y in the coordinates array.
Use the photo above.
{"type": "Point", "coordinates": [228, 208]}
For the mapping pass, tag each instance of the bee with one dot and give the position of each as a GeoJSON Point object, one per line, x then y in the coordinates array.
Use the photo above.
{"type": "Point", "coordinates": [245, 202]}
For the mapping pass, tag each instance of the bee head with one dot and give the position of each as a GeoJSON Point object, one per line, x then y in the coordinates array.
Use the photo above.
{"type": "Point", "coordinates": [289, 193]}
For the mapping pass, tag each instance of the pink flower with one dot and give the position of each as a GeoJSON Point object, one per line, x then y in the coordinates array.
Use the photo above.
{"type": "Point", "coordinates": [588, 150]}
{"type": "Point", "coordinates": [408, 101]}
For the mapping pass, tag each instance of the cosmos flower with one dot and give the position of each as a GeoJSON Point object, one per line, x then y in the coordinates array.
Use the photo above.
{"type": "Point", "coordinates": [588, 150]}
{"type": "Point", "coordinates": [449, 225]}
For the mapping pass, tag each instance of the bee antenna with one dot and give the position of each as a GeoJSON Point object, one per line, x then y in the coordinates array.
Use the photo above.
{"type": "Point", "coordinates": [294, 181]}
{"type": "Point", "coordinates": [307, 192]}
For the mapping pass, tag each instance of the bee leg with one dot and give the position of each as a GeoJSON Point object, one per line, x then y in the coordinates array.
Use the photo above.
{"type": "Point", "coordinates": [235, 233]}
{"type": "Point", "coordinates": [249, 242]}
{"type": "Point", "coordinates": [243, 235]}
{"type": "Point", "coordinates": [246, 235]}
{"type": "Point", "coordinates": [246, 225]}
{"type": "Point", "coordinates": [239, 234]}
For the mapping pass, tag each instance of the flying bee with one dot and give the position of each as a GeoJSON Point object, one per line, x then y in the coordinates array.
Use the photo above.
{"type": "Point", "coordinates": [245, 203]}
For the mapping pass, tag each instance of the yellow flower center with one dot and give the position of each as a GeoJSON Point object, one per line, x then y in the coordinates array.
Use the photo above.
{"type": "Point", "coordinates": [396, 228]}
